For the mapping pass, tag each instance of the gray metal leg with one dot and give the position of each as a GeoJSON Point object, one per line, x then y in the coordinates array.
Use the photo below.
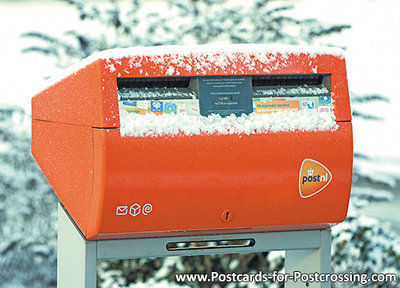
{"type": "Point", "coordinates": [310, 261]}
{"type": "Point", "coordinates": [306, 251]}
{"type": "Point", "coordinates": [76, 263]}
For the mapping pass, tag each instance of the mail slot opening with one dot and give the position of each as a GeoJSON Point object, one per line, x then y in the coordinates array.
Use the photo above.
{"type": "Point", "coordinates": [225, 95]}
{"type": "Point", "coordinates": [293, 86]}
{"type": "Point", "coordinates": [153, 82]}
{"type": "Point", "coordinates": [288, 80]}
{"type": "Point", "coordinates": [216, 244]}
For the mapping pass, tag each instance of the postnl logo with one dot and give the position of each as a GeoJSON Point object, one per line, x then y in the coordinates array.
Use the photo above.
{"type": "Point", "coordinates": [313, 178]}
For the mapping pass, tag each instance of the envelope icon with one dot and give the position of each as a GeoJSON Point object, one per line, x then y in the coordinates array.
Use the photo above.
{"type": "Point", "coordinates": [122, 210]}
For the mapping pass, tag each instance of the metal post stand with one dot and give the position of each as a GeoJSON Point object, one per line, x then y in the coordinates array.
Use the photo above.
{"type": "Point", "coordinates": [306, 251]}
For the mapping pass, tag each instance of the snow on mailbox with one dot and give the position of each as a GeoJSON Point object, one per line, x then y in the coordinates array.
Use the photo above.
{"type": "Point", "coordinates": [164, 141]}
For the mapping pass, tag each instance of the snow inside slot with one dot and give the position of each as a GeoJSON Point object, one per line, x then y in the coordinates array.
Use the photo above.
{"type": "Point", "coordinates": [147, 113]}
{"type": "Point", "coordinates": [172, 106]}
{"type": "Point", "coordinates": [150, 124]}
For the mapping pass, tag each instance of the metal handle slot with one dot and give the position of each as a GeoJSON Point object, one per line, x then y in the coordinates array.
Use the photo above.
{"type": "Point", "coordinates": [214, 244]}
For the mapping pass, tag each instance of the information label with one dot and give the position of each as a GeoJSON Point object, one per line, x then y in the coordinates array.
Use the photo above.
{"type": "Point", "coordinates": [225, 95]}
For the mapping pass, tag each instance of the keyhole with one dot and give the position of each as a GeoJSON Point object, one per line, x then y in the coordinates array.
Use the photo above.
{"type": "Point", "coordinates": [226, 216]}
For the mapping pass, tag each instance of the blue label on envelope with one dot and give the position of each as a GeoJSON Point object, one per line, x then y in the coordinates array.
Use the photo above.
{"type": "Point", "coordinates": [324, 99]}
{"type": "Point", "coordinates": [129, 103]}
{"type": "Point", "coordinates": [156, 106]}
{"type": "Point", "coordinates": [308, 104]}
{"type": "Point", "coordinates": [170, 108]}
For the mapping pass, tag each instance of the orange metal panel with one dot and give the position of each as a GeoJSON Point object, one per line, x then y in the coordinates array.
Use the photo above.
{"type": "Point", "coordinates": [191, 180]}
{"type": "Point", "coordinates": [65, 154]}
{"type": "Point", "coordinates": [78, 99]}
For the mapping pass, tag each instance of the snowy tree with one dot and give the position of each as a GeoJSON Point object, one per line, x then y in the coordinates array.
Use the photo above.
{"type": "Point", "coordinates": [187, 21]}
{"type": "Point", "coordinates": [28, 216]}
{"type": "Point", "coordinates": [362, 244]}
{"type": "Point", "coordinates": [358, 245]}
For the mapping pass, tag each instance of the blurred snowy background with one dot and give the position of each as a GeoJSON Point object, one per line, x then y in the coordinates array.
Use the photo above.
{"type": "Point", "coordinates": [39, 38]}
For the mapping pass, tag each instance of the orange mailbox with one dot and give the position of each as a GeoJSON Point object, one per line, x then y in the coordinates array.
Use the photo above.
{"type": "Point", "coordinates": [163, 141]}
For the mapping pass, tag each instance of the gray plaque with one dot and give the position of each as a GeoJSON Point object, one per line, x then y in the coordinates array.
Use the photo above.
{"type": "Point", "coordinates": [225, 95]}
